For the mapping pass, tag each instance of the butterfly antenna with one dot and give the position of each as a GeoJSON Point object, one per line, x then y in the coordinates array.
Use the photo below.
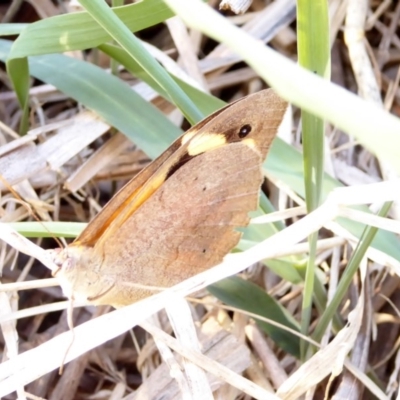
{"type": "Point", "coordinates": [29, 208]}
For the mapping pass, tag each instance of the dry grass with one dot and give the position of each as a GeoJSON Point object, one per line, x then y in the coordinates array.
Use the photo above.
{"type": "Point", "coordinates": [71, 162]}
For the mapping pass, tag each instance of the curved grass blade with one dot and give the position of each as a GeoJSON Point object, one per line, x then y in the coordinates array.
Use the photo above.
{"type": "Point", "coordinates": [79, 31]}
{"type": "Point", "coordinates": [250, 297]}
{"type": "Point", "coordinates": [111, 98]}
{"type": "Point", "coordinates": [348, 275]}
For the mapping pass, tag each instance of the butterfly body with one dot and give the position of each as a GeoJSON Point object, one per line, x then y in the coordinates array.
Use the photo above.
{"type": "Point", "coordinates": [178, 216]}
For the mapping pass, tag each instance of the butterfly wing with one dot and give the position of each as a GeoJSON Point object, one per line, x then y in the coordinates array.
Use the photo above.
{"type": "Point", "coordinates": [262, 111]}
{"type": "Point", "coordinates": [128, 197]}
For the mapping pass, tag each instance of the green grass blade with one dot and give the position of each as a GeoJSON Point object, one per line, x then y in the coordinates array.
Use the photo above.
{"type": "Point", "coordinates": [104, 15]}
{"type": "Point", "coordinates": [18, 71]}
{"type": "Point", "coordinates": [348, 275]}
{"type": "Point", "coordinates": [313, 53]}
{"type": "Point", "coordinates": [79, 31]}
{"type": "Point", "coordinates": [248, 296]}
{"type": "Point", "coordinates": [205, 102]}
{"type": "Point", "coordinates": [111, 98]}
{"type": "Point", "coordinates": [12, 29]}
{"type": "Point", "coordinates": [48, 229]}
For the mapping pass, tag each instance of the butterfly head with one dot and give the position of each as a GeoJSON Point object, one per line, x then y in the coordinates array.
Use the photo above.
{"type": "Point", "coordinates": [78, 282]}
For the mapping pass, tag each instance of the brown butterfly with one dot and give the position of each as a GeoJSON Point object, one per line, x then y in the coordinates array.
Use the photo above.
{"type": "Point", "coordinates": [177, 217]}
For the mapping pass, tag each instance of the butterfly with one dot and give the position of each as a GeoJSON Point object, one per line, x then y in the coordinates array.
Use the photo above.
{"type": "Point", "coordinates": [177, 217]}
